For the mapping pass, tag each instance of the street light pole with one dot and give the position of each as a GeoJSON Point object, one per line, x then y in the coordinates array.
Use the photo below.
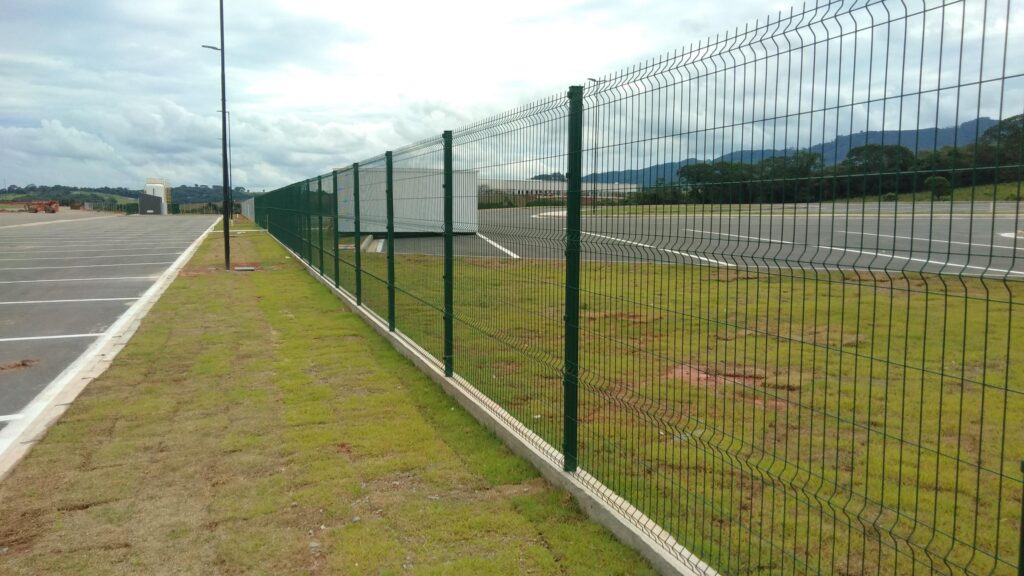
{"type": "Point", "coordinates": [224, 143]}
{"type": "Point", "coordinates": [231, 162]}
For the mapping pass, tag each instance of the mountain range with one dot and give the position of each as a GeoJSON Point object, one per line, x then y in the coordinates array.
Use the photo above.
{"type": "Point", "coordinates": [832, 152]}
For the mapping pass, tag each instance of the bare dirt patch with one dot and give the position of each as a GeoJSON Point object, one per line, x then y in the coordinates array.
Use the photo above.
{"type": "Point", "coordinates": [19, 531]}
{"type": "Point", "coordinates": [697, 375]}
{"type": "Point", "coordinates": [19, 365]}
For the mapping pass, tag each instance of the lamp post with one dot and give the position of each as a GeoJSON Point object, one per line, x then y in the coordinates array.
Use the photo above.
{"type": "Point", "coordinates": [231, 163]}
{"type": "Point", "coordinates": [224, 142]}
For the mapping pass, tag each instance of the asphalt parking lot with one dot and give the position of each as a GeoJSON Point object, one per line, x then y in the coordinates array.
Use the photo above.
{"type": "Point", "coordinates": [65, 278]}
{"type": "Point", "coordinates": [983, 239]}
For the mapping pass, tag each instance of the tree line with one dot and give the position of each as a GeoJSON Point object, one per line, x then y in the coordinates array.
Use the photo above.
{"type": "Point", "coordinates": [882, 170]}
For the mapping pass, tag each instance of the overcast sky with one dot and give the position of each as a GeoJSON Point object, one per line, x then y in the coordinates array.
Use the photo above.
{"type": "Point", "coordinates": [109, 92]}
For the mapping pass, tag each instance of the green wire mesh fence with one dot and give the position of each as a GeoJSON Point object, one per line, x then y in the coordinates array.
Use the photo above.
{"type": "Point", "coordinates": [763, 294]}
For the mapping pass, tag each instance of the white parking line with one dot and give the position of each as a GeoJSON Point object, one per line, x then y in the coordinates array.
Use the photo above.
{"type": "Point", "coordinates": [56, 337]}
{"type": "Point", "coordinates": [19, 246]}
{"type": "Point", "coordinates": [90, 266]}
{"type": "Point", "coordinates": [68, 301]}
{"type": "Point", "coordinates": [48, 405]}
{"type": "Point", "coordinates": [150, 277]}
{"type": "Point", "coordinates": [554, 214]}
{"type": "Point", "coordinates": [55, 222]}
{"type": "Point", "coordinates": [981, 244]}
{"type": "Point", "coordinates": [10, 417]}
{"type": "Point", "coordinates": [8, 250]}
{"type": "Point", "coordinates": [86, 257]}
{"type": "Point", "coordinates": [704, 258]}
{"type": "Point", "coordinates": [758, 238]}
{"type": "Point", "coordinates": [924, 260]}
{"type": "Point", "coordinates": [619, 240]}
{"type": "Point", "coordinates": [680, 253]}
{"type": "Point", "coordinates": [498, 246]}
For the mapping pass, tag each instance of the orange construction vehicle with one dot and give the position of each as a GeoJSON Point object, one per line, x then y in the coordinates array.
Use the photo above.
{"type": "Point", "coordinates": [48, 206]}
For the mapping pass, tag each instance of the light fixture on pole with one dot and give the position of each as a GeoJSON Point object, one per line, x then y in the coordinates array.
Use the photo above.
{"type": "Point", "coordinates": [224, 143]}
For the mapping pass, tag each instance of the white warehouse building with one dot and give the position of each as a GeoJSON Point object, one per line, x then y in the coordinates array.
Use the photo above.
{"type": "Point", "coordinates": [418, 202]}
{"type": "Point", "coordinates": [155, 197]}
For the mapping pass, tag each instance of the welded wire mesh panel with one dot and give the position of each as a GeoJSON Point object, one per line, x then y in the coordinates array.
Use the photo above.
{"type": "Point", "coordinates": [800, 328]}
{"type": "Point", "coordinates": [796, 351]}
{"type": "Point", "coordinates": [509, 203]}
{"type": "Point", "coordinates": [279, 213]}
{"type": "Point", "coordinates": [314, 228]}
{"type": "Point", "coordinates": [326, 206]}
{"type": "Point", "coordinates": [419, 262]}
{"type": "Point", "coordinates": [373, 226]}
{"type": "Point", "coordinates": [320, 227]}
{"type": "Point", "coordinates": [347, 238]}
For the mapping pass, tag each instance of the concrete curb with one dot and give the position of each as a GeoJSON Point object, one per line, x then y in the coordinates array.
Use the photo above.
{"type": "Point", "coordinates": [18, 438]}
{"type": "Point", "coordinates": [599, 502]}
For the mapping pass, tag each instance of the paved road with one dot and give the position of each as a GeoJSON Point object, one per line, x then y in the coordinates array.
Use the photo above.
{"type": "Point", "coordinates": [951, 238]}
{"type": "Point", "coordinates": [65, 279]}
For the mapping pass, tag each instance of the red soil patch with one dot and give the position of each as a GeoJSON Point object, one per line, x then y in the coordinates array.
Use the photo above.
{"type": "Point", "coordinates": [19, 365]}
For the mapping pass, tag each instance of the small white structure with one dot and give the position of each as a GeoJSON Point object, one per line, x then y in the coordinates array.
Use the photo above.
{"type": "Point", "coordinates": [541, 188]}
{"type": "Point", "coordinates": [155, 197]}
{"type": "Point", "coordinates": [418, 201]}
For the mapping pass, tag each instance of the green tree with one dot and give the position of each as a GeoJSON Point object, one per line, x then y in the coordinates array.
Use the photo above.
{"type": "Point", "coordinates": [1001, 150]}
{"type": "Point", "coordinates": [788, 178]}
{"type": "Point", "coordinates": [939, 186]}
{"type": "Point", "coordinates": [878, 169]}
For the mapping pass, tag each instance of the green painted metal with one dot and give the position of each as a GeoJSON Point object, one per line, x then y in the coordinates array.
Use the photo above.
{"type": "Point", "coordinates": [308, 231]}
{"type": "Point", "coordinates": [729, 287]}
{"type": "Point", "coordinates": [570, 379]}
{"type": "Point", "coordinates": [358, 237]}
{"type": "Point", "coordinates": [449, 257]}
{"type": "Point", "coordinates": [335, 233]}
{"type": "Point", "coordinates": [389, 191]}
{"type": "Point", "coordinates": [320, 220]}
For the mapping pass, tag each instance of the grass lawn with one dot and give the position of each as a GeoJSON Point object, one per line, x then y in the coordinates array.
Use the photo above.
{"type": "Point", "coordinates": [773, 421]}
{"type": "Point", "coordinates": [253, 425]}
{"type": "Point", "coordinates": [1005, 192]}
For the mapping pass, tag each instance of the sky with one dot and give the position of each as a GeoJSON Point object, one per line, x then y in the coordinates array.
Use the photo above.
{"type": "Point", "coordinates": [110, 92]}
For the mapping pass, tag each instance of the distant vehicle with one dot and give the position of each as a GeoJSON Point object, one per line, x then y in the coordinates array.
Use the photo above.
{"type": "Point", "coordinates": [48, 206]}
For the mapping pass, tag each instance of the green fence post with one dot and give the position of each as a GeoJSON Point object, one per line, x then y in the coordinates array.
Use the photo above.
{"type": "Point", "coordinates": [306, 227]}
{"type": "Point", "coordinates": [358, 236]}
{"type": "Point", "coordinates": [320, 219]}
{"type": "Point", "coordinates": [570, 378]}
{"type": "Point", "coordinates": [449, 347]}
{"type": "Point", "coordinates": [335, 233]}
{"type": "Point", "coordinates": [389, 192]}
{"type": "Point", "coordinates": [1020, 550]}
{"type": "Point", "coordinates": [309, 222]}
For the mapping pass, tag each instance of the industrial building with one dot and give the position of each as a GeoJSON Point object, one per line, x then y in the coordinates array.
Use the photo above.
{"type": "Point", "coordinates": [155, 197]}
{"type": "Point", "coordinates": [418, 202]}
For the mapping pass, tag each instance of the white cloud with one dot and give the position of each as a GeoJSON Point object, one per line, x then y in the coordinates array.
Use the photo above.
{"type": "Point", "coordinates": [109, 92]}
